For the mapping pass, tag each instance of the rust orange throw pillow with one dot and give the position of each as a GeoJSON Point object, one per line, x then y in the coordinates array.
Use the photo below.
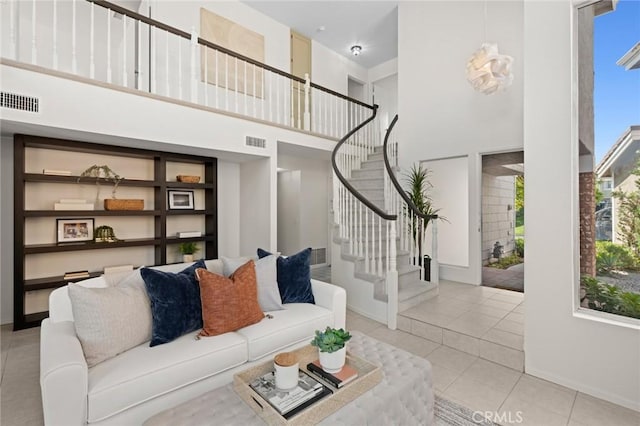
{"type": "Point", "coordinates": [228, 303]}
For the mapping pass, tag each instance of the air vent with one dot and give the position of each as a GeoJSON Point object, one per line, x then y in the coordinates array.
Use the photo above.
{"type": "Point", "coordinates": [21, 102]}
{"type": "Point", "coordinates": [318, 256]}
{"type": "Point", "coordinates": [257, 142]}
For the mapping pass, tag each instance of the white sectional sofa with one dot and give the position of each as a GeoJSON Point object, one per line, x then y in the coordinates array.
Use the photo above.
{"type": "Point", "coordinates": [134, 385]}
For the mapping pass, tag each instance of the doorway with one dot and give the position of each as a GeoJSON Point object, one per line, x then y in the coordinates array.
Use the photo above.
{"type": "Point", "coordinates": [503, 220]}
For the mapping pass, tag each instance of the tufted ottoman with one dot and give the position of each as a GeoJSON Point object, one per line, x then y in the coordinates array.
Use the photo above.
{"type": "Point", "coordinates": [404, 396]}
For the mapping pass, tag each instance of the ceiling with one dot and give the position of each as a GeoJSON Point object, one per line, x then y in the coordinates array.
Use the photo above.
{"type": "Point", "coordinates": [370, 24]}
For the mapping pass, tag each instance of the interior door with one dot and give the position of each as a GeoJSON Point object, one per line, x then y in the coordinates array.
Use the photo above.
{"type": "Point", "coordinates": [300, 65]}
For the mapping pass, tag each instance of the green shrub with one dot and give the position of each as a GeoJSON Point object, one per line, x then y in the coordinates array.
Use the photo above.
{"type": "Point", "coordinates": [507, 261]}
{"type": "Point", "coordinates": [608, 298]}
{"type": "Point", "coordinates": [520, 247]}
{"type": "Point", "coordinates": [610, 257]}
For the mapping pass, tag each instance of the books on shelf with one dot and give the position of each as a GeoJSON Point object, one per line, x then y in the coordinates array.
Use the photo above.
{"type": "Point", "coordinates": [56, 172]}
{"type": "Point", "coordinates": [117, 269]}
{"type": "Point", "coordinates": [73, 206]}
{"type": "Point", "coordinates": [189, 234]}
{"type": "Point", "coordinates": [339, 379]}
{"type": "Point", "coordinates": [288, 403]}
{"type": "Point", "coordinates": [75, 275]}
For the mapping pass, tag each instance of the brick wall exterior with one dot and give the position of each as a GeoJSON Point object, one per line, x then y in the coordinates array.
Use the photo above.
{"type": "Point", "coordinates": [587, 224]}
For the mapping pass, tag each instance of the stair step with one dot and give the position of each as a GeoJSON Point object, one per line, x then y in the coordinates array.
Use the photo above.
{"type": "Point", "coordinates": [416, 293]}
{"type": "Point", "coordinates": [374, 156]}
{"type": "Point", "coordinates": [368, 174]}
{"type": "Point", "coordinates": [368, 183]}
{"type": "Point", "coordinates": [372, 164]}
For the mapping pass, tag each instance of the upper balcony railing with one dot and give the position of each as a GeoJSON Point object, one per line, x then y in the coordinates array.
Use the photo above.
{"type": "Point", "coordinates": [102, 41]}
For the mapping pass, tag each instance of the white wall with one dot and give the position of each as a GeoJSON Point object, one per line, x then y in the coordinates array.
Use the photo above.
{"type": "Point", "coordinates": [450, 179]}
{"type": "Point", "coordinates": [331, 70]}
{"type": "Point", "coordinates": [228, 208]}
{"type": "Point", "coordinates": [289, 212]}
{"type": "Point", "coordinates": [313, 202]}
{"type": "Point", "coordinates": [441, 116]}
{"type": "Point", "coordinates": [581, 351]}
{"type": "Point", "coordinates": [258, 205]}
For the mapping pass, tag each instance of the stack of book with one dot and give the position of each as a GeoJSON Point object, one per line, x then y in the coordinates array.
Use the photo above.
{"type": "Point", "coordinates": [339, 379]}
{"type": "Point", "coordinates": [290, 402]}
{"type": "Point", "coordinates": [189, 234]}
{"type": "Point", "coordinates": [73, 204]}
{"type": "Point", "coordinates": [74, 275]}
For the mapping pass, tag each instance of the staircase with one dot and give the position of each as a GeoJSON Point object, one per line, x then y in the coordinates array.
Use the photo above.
{"type": "Point", "coordinates": [373, 229]}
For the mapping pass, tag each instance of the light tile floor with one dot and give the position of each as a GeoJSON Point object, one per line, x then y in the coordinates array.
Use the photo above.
{"type": "Point", "coordinates": [458, 376]}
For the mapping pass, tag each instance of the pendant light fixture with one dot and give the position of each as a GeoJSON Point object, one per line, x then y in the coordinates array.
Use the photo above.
{"type": "Point", "coordinates": [487, 70]}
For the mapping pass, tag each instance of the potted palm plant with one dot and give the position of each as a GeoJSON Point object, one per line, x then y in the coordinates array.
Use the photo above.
{"type": "Point", "coordinates": [188, 250]}
{"type": "Point", "coordinates": [418, 192]}
{"type": "Point", "coordinates": [331, 344]}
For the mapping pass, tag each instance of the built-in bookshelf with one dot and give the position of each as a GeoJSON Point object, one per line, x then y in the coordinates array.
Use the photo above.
{"type": "Point", "coordinates": [145, 237]}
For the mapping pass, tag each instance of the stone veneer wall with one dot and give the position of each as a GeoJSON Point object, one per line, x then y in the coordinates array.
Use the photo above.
{"type": "Point", "coordinates": [587, 224]}
{"type": "Point", "coordinates": [498, 214]}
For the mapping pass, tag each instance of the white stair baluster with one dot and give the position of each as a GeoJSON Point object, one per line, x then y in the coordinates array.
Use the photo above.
{"type": "Point", "coordinates": [92, 44]}
{"type": "Point", "coordinates": [255, 71]}
{"type": "Point", "coordinates": [235, 61]}
{"type": "Point", "coordinates": [55, 33]}
{"type": "Point", "coordinates": [109, 71]}
{"type": "Point", "coordinates": [226, 82]}
{"type": "Point", "coordinates": [366, 241]}
{"type": "Point", "coordinates": [74, 58]}
{"type": "Point", "coordinates": [124, 50]}
{"type": "Point", "coordinates": [205, 55]}
{"type": "Point", "coordinates": [13, 51]}
{"type": "Point", "coordinates": [167, 86]}
{"type": "Point", "coordinates": [153, 48]}
{"type": "Point", "coordinates": [246, 92]}
{"type": "Point", "coordinates": [217, 86]}
{"type": "Point", "coordinates": [34, 47]}
{"type": "Point", "coordinates": [307, 114]}
{"type": "Point", "coordinates": [192, 63]}
{"type": "Point", "coordinates": [380, 244]}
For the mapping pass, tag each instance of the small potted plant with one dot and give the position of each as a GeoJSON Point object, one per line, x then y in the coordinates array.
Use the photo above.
{"type": "Point", "coordinates": [331, 344]}
{"type": "Point", "coordinates": [187, 250]}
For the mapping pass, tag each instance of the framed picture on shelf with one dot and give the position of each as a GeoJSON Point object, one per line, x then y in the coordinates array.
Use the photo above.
{"type": "Point", "coordinates": [180, 200]}
{"type": "Point", "coordinates": [74, 230]}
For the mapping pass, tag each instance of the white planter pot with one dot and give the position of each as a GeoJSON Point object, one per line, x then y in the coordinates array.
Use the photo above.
{"type": "Point", "coordinates": [332, 362]}
{"type": "Point", "coordinates": [187, 258]}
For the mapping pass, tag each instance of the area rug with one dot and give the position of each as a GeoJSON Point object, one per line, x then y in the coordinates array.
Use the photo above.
{"type": "Point", "coordinates": [448, 413]}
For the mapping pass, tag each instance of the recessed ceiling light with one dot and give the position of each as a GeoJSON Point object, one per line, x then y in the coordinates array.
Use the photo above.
{"type": "Point", "coordinates": [321, 28]}
{"type": "Point", "coordinates": [356, 49]}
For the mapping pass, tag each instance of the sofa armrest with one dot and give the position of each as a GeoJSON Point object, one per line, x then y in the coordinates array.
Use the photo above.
{"type": "Point", "coordinates": [63, 375]}
{"type": "Point", "coordinates": [333, 298]}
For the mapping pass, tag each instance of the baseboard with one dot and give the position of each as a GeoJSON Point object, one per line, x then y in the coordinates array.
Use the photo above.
{"type": "Point", "coordinates": [581, 387]}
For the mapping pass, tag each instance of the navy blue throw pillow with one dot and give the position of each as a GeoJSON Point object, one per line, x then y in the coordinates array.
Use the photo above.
{"type": "Point", "coordinates": [294, 276]}
{"type": "Point", "coordinates": [175, 302]}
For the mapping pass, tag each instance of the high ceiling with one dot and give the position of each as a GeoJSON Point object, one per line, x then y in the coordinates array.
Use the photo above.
{"type": "Point", "coordinates": [370, 24]}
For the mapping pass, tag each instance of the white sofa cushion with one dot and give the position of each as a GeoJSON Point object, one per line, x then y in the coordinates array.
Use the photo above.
{"type": "Point", "coordinates": [295, 323]}
{"type": "Point", "coordinates": [110, 320]}
{"type": "Point", "coordinates": [144, 372]}
{"type": "Point", "coordinates": [268, 293]}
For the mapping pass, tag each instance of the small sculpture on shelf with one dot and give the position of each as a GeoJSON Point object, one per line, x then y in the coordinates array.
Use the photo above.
{"type": "Point", "coordinates": [102, 172]}
{"type": "Point", "coordinates": [105, 234]}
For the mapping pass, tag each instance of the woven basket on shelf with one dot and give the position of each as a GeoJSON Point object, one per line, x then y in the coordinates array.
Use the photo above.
{"type": "Point", "coordinates": [188, 178]}
{"type": "Point", "coordinates": [124, 204]}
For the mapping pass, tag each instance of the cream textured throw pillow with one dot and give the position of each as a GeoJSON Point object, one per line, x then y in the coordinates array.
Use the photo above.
{"type": "Point", "coordinates": [110, 320]}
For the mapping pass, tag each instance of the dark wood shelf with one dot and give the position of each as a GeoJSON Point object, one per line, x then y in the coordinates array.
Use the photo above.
{"type": "Point", "coordinates": [177, 240]}
{"type": "Point", "coordinates": [38, 177]}
{"type": "Point", "coordinates": [187, 185]}
{"type": "Point", "coordinates": [89, 245]}
{"type": "Point", "coordinates": [85, 213]}
{"type": "Point", "coordinates": [52, 282]}
{"type": "Point", "coordinates": [156, 238]}
{"type": "Point", "coordinates": [187, 212]}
